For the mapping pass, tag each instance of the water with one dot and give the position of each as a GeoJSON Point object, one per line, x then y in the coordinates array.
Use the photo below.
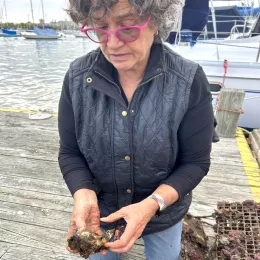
{"type": "Point", "coordinates": [32, 71]}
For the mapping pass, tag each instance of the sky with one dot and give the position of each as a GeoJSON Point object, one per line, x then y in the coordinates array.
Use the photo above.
{"type": "Point", "coordinates": [20, 10]}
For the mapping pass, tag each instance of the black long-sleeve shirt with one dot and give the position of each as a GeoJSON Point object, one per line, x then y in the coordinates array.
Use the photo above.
{"type": "Point", "coordinates": [194, 137]}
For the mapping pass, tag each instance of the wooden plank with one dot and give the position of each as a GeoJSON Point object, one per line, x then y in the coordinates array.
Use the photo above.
{"type": "Point", "coordinates": [255, 143]}
{"type": "Point", "coordinates": [39, 216]}
{"type": "Point", "coordinates": [27, 138]}
{"type": "Point", "coordinates": [30, 168]}
{"type": "Point", "coordinates": [35, 204]}
{"type": "Point", "coordinates": [22, 120]}
{"type": "Point", "coordinates": [13, 251]}
{"type": "Point", "coordinates": [32, 236]}
{"type": "Point", "coordinates": [229, 105]}
{"type": "Point", "coordinates": [36, 199]}
{"type": "Point", "coordinates": [30, 184]}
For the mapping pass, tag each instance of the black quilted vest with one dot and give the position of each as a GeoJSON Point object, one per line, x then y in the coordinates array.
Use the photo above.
{"type": "Point", "coordinates": [131, 150]}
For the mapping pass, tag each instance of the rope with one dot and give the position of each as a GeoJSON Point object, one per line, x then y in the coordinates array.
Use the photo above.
{"type": "Point", "coordinates": [225, 65]}
{"type": "Point", "coordinates": [240, 111]}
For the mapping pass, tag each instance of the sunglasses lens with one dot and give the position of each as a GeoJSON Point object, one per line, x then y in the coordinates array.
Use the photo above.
{"type": "Point", "coordinates": [97, 35]}
{"type": "Point", "coordinates": [128, 34]}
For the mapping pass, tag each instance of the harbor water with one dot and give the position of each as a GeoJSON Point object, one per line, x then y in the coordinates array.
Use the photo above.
{"type": "Point", "coordinates": [32, 71]}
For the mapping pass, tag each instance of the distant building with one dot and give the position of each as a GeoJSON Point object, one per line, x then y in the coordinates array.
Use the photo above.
{"type": "Point", "coordinates": [64, 25]}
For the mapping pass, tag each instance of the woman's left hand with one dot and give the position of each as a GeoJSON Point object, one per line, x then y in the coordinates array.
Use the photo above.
{"type": "Point", "coordinates": [137, 216]}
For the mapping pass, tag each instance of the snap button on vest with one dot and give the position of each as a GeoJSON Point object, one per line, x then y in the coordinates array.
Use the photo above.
{"type": "Point", "coordinates": [89, 80]}
{"type": "Point", "coordinates": [124, 113]}
{"type": "Point", "coordinates": [129, 191]}
{"type": "Point", "coordinates": [127, 158]}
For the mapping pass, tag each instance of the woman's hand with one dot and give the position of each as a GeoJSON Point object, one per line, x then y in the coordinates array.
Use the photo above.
{"type": "Point", "coordinates": [137, 216]}
{"type": "Point", "coordinates": [85, 214]}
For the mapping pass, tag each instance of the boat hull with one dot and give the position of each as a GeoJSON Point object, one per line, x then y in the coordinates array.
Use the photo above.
{"type": "Point", "coordinates": [41, 37]}
{"type": "Point", "coordinates": [9, 35]}
{"type": "Point", "coordinates": [81, 36]}
{"type": "Point", "coordinates": [240, 75]}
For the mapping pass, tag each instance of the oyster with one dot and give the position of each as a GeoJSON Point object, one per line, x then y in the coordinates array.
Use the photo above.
{"type": "Point", "coordinates": [88, 243]}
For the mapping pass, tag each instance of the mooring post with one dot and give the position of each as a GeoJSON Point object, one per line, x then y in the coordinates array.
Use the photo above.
{"type": "Point", "coordinates": [228, 111]}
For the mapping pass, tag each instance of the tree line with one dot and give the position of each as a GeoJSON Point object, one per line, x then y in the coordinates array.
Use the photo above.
{"type": "Point", "coordinates": [24, 26]}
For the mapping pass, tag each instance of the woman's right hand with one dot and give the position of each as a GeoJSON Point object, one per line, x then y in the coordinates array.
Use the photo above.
{"type": "Point", "coordinates": [85, 214]}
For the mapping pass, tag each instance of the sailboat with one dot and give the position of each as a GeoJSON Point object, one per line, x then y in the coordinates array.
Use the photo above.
{"type": "Point", "coordinates": [47, 33]}
{"type": "Point", "coordinates": [227, 63]}
{"type": "Point", "coordinates": [41, 34]}
{"type": "Point", "coordinates": [9, 33]}
{"type": "Point", "coordinates": [5, 32]}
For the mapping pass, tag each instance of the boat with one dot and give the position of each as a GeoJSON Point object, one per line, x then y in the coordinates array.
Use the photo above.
{"type": "Point", "coordinates": [41, 34]}
{"type": "Point", "coordinates": [47, 33]}
{"type": "Point", "coordinates": [230, 19]}
{"type": "Point", "coordinates": [6, 32]}
{"type": "Point", "coordinates": [81, 35]}
{"type": "Point", "coordinates": [40, 37]}
{"type": "Point", "coordinates": [229, 63]}
{"type": "Point", "coordinates": [9, 33]}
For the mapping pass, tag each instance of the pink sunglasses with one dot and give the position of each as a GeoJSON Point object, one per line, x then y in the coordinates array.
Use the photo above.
{"type": "Point", "coordinates": [124, 34]}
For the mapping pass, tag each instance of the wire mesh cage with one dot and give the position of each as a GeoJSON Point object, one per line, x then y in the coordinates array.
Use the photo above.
{"type": "Point", "coordinates": [238, 230]}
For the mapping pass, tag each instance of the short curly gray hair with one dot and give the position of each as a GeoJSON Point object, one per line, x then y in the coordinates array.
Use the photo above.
{"type": "Point", "coordinates": [166, 14]}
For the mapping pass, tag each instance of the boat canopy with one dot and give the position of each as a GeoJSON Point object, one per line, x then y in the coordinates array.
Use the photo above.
{"type": "Point", "coordinates": [9, 32]}
{"type": "Point", "coordinates": [44, 32]}
{"type": "Point", "coordinates": [195, 17]}
{"type": "Point", "coordinates": [246, 10]}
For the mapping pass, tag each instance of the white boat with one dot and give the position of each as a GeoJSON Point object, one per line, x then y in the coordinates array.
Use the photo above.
{"type": "Point", "coordinates": [31, 36]}
{"type": "Point", "coordinates": [243, 72]}
{"type": "Point", "coordinates": [242, 56]}
{"type": "Point", "coordinates": [81, 35]}
{"type": "Point", "coordinates": [47, 33]}
{"type": "Point", "coordinates": [42, 34]}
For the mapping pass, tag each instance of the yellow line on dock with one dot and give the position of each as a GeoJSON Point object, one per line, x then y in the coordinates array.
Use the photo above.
{"type": "Point", "coordinates": [251, 166]}
{"type": "Point", "coordinates": [25, 111]}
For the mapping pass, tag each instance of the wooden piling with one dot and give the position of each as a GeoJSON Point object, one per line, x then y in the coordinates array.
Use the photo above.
{"type": "Point", "coordinates": [228, 111]}
{"type": "Point", "coordinates": [255, 143]}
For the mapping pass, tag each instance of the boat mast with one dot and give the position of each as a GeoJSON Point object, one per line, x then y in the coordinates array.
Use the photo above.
{"type": "Point", "coordinates": [43, 12]}
{"type": "Point", "coordinates": [32, 11]}
{"type": "Point", "coordinates": [5, 10]}
{"type": "Point", "coordinates": [214, 26]}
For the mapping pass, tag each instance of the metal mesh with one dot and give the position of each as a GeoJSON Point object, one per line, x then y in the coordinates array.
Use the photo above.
{"type": "Point", "coordinates": [238, 230]}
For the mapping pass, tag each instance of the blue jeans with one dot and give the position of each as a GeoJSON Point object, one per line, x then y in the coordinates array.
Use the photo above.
{"type": "Point", "coordinates": [164, 245]}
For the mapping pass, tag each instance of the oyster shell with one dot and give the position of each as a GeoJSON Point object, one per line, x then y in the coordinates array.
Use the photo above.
{"type": "Point", "coordinates": [88, 243]}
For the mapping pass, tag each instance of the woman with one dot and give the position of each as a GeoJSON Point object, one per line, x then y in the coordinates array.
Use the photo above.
{"type": "Point", "coordinates": [135, 124]}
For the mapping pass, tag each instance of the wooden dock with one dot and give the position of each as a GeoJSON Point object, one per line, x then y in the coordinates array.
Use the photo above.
{"type": "Point", "coordinates": [35, 204]}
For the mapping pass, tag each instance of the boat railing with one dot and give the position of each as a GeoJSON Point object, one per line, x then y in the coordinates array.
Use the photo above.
{"type": "Point", "coordinates": [187, 40]}
{"type": "Point", "coordinates": [235, 30]}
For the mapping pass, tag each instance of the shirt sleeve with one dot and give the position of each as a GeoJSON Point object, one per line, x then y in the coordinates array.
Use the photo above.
{"type": "Point", "coordinates": [73, 165]}
{"type": "Point", "coordinates": [194, 138]}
